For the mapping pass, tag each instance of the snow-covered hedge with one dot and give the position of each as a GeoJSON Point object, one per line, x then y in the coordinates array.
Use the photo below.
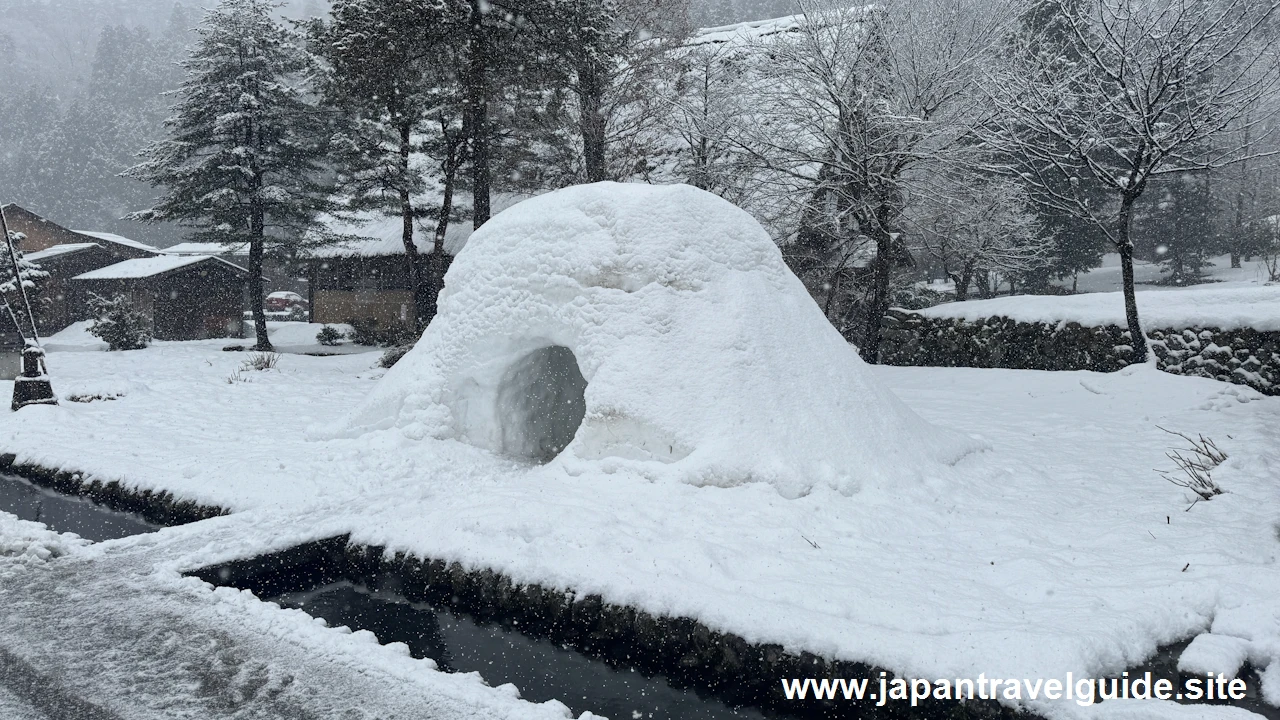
{"type": "Point", "coordinates": [1240, 355]}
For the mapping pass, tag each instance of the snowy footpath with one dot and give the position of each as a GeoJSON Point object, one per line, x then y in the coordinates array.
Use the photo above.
{"type": "Point", "coordinates": [1059, 549]}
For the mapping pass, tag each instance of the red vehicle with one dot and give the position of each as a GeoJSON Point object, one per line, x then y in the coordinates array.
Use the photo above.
{"type": "Point", "coordinates": [284, 301]}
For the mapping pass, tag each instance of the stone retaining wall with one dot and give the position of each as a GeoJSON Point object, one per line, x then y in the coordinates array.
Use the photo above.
{"type": "Point", "coordinates": [161, 508]}
{"type": "Point", "coordinates": [1242, 356]}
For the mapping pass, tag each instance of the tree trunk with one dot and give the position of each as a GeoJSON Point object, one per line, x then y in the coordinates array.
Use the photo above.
{"type": "Point", "coordinates": [1137, 339]}
{"type": "Point", "coordinates": [833, 288]}
{"type": "Point", "coordinates": [1237, 237]}
{"type": "Point", "coordinates": [984, 283]}
{"type": "Point", "coordinates": [591, 119]}
{"type": "Point", "coordinates": [881, 274]}
{"type": "Point", "coordinates": [436, 265]}
{"type": "Point", "coordinates": [962, 281]}
{"type": "Point", "coordinates": [257, 293]}
{"type": "Point", "coordinates": [478, 113]}
{"type": "Point", "coordinates": [412, 258]}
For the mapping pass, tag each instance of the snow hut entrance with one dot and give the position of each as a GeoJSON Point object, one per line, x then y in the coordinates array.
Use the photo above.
{"type": "Point", "coordinates": [540, 403]}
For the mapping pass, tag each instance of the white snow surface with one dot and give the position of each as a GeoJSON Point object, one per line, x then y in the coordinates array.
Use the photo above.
{"type": "Point", "coordinates": [56, 250]}
{"type": "Point", "coordinates": [151, 266]}
{"type": "Point", "coordinates": [1107, 277]}
{"type": "Point", "coordinates": [705, 359]}
{"type": "Point", "coordinates": [207, 248]}
{"type": "Point", "coordinates": [377, 234]}
{"type": "Point", "coordinates": [117, 239]}
{"type": "Point", "coordinates": [1058, 550]}
{"type": "Point", "coordinates": [28, 542]}
{"type": "Point", "coordinates": [1252, 306]}
{"type": "Point", "coordinates": [1217, 654]}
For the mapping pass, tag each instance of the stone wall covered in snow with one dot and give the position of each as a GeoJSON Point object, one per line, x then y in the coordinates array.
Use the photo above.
{"type": "Point", "coordinates": [1243, 356]}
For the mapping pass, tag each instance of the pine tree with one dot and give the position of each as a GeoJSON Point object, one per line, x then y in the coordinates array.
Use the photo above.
{"type": "Point", "coordinates": [520, 52]}
{"type": "Point", "coordinates": [242, 160]}
{"type": "Point", "coordinates": [1043, 32]}
{"type": "Point", "coordinates": [118, 323]}
{"type": "Point", "coordinates": [16, 287]}
{"type": "Point", "coordinates": [1175, 226]}
{"type": "Point", "coordinates": [393, 70]}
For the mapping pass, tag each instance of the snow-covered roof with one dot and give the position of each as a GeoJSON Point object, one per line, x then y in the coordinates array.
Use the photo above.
{"type": "Point", "coordinates": [379, 235]}
{"type": "Point", "coordinates": [206, 248]}
{"type": "Point", "coordinates": [118, 240]}
{"type": "Point", "coordinates": [150, 267]}
{"type": "Point", "coordinates": [58, 250]}
{"type": "Point", "coordinates": [744, 31]}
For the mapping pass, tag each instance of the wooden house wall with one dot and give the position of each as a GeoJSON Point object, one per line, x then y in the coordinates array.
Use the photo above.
{"type": "Point", "coordinates": [202, 301]}
{"type": "Point", "coordinates": [346, 288]}
{"type": "Point", "coordinates": [60, 302]}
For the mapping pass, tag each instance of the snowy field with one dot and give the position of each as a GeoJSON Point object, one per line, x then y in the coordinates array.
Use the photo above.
{"type": "Point", "coordinates": [1106, 278]}
{"type": "Point", "coordinates": [1048, 553]}
{"type": "Point", "coordinates": [1208, 305]}
{"type": "Point", "coordinates": [731, 460]}
{"type": "Point", "coordinates": [287, 337]}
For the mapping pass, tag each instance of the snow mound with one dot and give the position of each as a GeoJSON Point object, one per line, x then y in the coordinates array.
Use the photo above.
{"type": "Point", "coordinates": [656, 329]}
{"type": "Point", "coordinates": [1219, 654]}
{"type": "Point", "coordinates": [30, 543]}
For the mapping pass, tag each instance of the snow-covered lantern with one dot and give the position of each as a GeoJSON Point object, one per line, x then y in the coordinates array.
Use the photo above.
{"type": "Point", "coordinates": [649, 329]}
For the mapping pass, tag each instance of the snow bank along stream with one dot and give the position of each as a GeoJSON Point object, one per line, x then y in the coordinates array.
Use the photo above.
{"type": "Point", "coordinates": [721, 519]}
{"type": "Point", "coordinates": [593, 656]}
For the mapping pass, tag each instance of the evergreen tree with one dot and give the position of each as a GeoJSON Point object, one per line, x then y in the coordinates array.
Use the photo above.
{"type": "Point", "coordinates": [118, 323]}
{"type": "Point", "coordinates": [393, 70]}
{"type": "Point", "coordinates": [18, 279]}
{"type": "Point", "coordinates": [1176, 228]}
{"type": "Point", "coordinates": [241, 163]}
{"type": "Point", "coordinates": [1043, 32]}
{"type": "Point", "coordinates": [518, 52]}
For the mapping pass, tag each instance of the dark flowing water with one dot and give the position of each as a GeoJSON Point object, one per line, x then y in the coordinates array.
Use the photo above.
{"type": "Point", "coordinates": [68, 513]}
{"type": "Point", "coordinates": [540, 668]}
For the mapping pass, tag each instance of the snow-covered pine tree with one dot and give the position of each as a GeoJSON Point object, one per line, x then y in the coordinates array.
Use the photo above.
{"type": "Point", "coordinates": [16, 287]}
{"type": "Point", "coordinates": [242, 162]}
{"type": "Point", "coordinates": [118, 323]}
{"type": "Point", "coordinates": [1043, 31]}
{"type": "Point", "coordinates": [518, 53]}
{"type": "Point", "coordinates": [393, 70]}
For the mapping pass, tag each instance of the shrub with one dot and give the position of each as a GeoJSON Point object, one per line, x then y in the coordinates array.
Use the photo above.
{"type": "Point", "coordinates": [261, 361]}
{"type": "Point", "coordinates": [364, 331]}
{"type": "Point", "coordinates": [393, 355]}
{"type": "Point", "coordinates": [119, 324]}
{"type": "Point", "coordinates": [329, 335]}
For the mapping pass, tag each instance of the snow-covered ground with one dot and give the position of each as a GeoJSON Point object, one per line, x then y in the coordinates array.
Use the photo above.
{"type": "Point", "coordinates": [1106, 278]}
{"type": "Point", "coordinates": [1058, 549]}
{"type": "Point", "coordinates": [287, 337]}
{"type": "Point", "coordinates": [713, 450]}
{"type": "Point", "coordinates": [1217, 305]}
